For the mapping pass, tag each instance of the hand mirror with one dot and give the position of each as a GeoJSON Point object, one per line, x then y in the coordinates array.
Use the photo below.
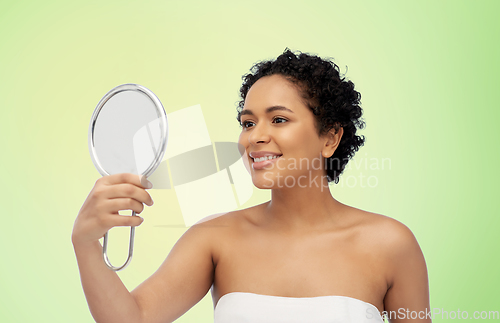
{"type": "Point", "coordinates": [127, 134]}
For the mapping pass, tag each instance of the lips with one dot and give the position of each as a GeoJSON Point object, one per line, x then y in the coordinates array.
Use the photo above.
{"type": "Point", "coordinates": [262, 159]}
{"type": "Point", "coordinates": [260, 154]}
{"type": "Point", "coordinates": [258, 164]}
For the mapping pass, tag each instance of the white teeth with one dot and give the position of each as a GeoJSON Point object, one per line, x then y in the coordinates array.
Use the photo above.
{"type": "Point", "coordinates": [264, 158]}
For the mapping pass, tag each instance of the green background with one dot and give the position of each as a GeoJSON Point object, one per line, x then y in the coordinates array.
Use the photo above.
{"type": "Point", "coordinates": [428, 75]}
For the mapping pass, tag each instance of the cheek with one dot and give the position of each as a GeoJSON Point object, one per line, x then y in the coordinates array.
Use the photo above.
{"type": "Point", "coordinates": [242, 144]}
{"type": "Point", "coordinates": [241, 139]}
{"type": "Point", "coordinates": [301, 140]}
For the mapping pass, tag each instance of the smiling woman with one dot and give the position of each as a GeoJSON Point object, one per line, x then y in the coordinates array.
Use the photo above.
{"type": "Point", "coordinates": [317, 83]}
{"type": "Point", "coordinates": [303, 256]}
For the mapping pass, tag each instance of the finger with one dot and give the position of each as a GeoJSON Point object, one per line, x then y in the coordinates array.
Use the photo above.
{"type": "Point", "coordinates": [127, 221]}
{"type": "Point", "coordinates": [130, 190]}
{"type": "Point", "coordinates": [119, 204]}
{"type": "Point", "coordinates": [137, 180]}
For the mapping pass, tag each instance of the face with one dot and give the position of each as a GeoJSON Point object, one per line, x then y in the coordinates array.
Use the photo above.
{"type": "Point", "coordinates": [277, 124]}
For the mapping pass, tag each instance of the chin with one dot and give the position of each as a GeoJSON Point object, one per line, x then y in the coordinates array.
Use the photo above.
{"type": "Point", "coordinates": [264, 185]}
{"type": "Point", "coordinates": [266, 180]}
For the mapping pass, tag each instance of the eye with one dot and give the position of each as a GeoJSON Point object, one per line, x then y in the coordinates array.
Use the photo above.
{"type": "Point", "coordinates": [280, 118]}
{"type": "Point", "coordinates": [245, 124]}
{"type": "Point", "coordinates": [248, 124]}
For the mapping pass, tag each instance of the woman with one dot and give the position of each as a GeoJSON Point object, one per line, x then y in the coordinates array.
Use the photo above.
{"type": "Point", "coordinates": [302, 256]}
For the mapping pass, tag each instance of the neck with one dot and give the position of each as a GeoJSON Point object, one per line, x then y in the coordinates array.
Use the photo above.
{"type": "Point", "coordinates": [302, 209]}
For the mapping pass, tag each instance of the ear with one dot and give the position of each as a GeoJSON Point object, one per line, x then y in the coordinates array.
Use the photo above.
{"type": "Point", "coordinates": [332, 141]}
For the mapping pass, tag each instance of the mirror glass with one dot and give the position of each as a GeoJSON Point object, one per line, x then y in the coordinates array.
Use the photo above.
{"type": "Point", "coordinates": [128, 131]}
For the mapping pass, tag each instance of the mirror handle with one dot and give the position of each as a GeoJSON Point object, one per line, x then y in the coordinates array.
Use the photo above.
{"type": "Point", "coordinates": [130, 249]}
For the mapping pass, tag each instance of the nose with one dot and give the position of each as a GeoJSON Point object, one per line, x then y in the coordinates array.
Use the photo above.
{"type": "Point", "coordinates": [259, 134]}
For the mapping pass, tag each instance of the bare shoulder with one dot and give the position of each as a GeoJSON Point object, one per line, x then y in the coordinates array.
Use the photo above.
{"type": "Point", "coordinates": [232, 218]}
{"type": "Point", "coordinates": [221, 220]}
{"type": "Point", "coordinates": [399, 240]}
{"type": "Point", "coordinates": [223, 226]}
{"type": "Point", "coordinates": [393, 242]}
{"type": "Point", "coordinates": [222, 230]}
{"type": "Point", "coordinates": [384, 230]}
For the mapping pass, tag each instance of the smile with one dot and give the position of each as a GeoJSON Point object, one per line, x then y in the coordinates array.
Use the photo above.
{"type": "Point", "coordinates": [263, 162]}
{"type": "Point", "coordinates": [256, 160]}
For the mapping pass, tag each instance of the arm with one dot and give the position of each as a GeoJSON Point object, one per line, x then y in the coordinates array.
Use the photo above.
{"type": "Point", "coordinates": [181, 281]}
{"type": "Point", "coordinates": [408, 292]}
{"type": "Point", "coordinates": [107, 297]}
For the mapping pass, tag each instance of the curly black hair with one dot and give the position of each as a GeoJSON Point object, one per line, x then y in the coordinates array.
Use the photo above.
{"type": "Point", "coordinates": [331, 98]}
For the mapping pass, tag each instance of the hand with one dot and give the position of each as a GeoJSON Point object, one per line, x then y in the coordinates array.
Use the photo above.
{"type": "Point", "coordinates": [112, 193]}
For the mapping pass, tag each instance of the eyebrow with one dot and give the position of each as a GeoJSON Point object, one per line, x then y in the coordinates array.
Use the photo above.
{"type": "Point", "coordinates": [268, 110]}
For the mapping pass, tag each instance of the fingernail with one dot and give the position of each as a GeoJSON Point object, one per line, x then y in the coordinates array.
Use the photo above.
{"type": "Point", "coordinates": [149, 184]}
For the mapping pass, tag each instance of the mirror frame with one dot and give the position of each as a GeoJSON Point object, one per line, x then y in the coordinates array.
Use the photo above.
{"type": "Point", "coordinates": [161, 115]}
